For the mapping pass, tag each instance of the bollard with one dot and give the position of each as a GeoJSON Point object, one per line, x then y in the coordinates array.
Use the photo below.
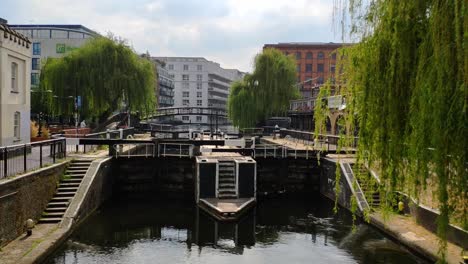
{"type": "Point", "coordinates": [108, 134]}
{"type": "Point", "coordinates": [121, 133]}
{"type": "Point", "coordinates": [29, 226]}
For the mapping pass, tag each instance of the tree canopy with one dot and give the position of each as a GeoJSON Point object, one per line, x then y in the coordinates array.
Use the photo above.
{"type": "Point", "coordinates": [105, 72]}
{"type": "Point", "coordinates": [407, 81]}
{"type": "Point", "coordinates": [264, 93]}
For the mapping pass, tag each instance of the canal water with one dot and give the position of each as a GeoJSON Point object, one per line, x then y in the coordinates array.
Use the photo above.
{"type": "Point", "coordinates": [275, 231]}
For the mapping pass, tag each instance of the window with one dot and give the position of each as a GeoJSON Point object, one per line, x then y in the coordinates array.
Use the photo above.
{"type": "Point", "coordinates": [298, 68]}
{"type": "Point", "coordinates": [199, 102]}
{"type": "Point", "coordinates": [309, 55]}
{"type": "Point", "coordinates": [185, 85]}
{"type": "Point", "coordinates": [320, 67]}
{"type": "Point", "coordinates": [320, 80]}
{"type": "Point", "coordinates": [171, 76]}
{"type": "Point", "coordinates": [199, 67]}
{"type": "Point", "coordinates": [199, 94]}
{"type": "Point", "coordinates": [16, 125]}
{"type": "Point", "coordinates": [34, 78]}
{"type": "Point", "coordinates": [199, 118]}
{"type": "Point", "coordinates": [199, 77]}
{"type": "Point", "coordinates": [333, 56]}
{"type": "Point", "coordinates": [199, 85]}
{"type": "Point", "coordinates": [332, 68]}
{"type": "Point", "coordinates": [36, 48]}
{"type": "Point", "coordinates": [185, 94]}
{"type": "Point", "coordinates": [298, 55]}
{"type": "Point", "coordinates": [308, 67]}
{"type": "Point", "coordinates": [185, 67]}
{"type": "Point", "coordinates": [185, 77]}
{"type": "Point", "coordinates": [185, 118]}
{"type": "Point", "coordinates": [185, 102]}
{"type": "Point", "coordinates": [171, 66]}
{"type": "Point", "coordinates": [14, 77]}
{"type": "Point", "coordinates": [35, 63]}
{"type": "Point", "coordinates": [320, 55]}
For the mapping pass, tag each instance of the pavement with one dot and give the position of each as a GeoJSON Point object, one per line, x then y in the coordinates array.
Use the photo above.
{"type": "Point", "coordinates": [406, 231]}
{"type": "Point", "coordinates": [32, 249]}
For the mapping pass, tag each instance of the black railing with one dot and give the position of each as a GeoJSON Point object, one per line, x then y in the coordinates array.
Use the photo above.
{"type": "Point", "coordinates": [19, 159]}
{"type": "Point", "coordinates": [331, 141]}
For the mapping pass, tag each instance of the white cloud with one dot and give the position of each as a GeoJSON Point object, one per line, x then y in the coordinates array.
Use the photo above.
{"type": "Point", "coordinates": [230, 32]}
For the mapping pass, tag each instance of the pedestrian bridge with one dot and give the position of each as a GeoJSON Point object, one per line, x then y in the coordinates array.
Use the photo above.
{"type": "Point", "coordinates": [188, 110]}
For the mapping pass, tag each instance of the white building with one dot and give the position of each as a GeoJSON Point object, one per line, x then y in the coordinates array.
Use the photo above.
{"type": "Point", "coordinates": [15, 73]}
{"type": "Point", "coordinates": [52, 41]}
{"type": "Point", "coordinates": [199, 82]}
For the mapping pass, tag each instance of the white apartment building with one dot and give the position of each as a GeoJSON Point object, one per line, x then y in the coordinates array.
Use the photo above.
{"type": "Point", "coordinates": [15, 72]}
{"type": "Point", "coordinates": [199, 82]}
{"type": "Point", "coordinates": [52, 41]}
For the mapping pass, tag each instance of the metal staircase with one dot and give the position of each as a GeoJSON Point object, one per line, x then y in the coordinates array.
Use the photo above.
{"type": "Point", "coordinates": [226, 180]}
{"type": "Point", "coordinates": [66, 191]}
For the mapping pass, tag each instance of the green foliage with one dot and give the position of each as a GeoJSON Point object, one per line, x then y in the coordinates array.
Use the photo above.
{"type": "Point", "coordinates": [264, 93]}
{"type": "Point", "coordinates": [105, 73]}
{"type": "Point", "coordinates": [407, 82]}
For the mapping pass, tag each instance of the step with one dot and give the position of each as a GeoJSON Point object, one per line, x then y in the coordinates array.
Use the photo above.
{"type": "Point", "coordinates": [65, 194]}
{"type": "Point", "coordinates": [53, 215]}
{"type": "Point", "coordinates": [72, 184]}
{"type": "Point", "coordinates": [75, 173]}
{"type": "Point", "coordinates": [75, 176]}
{"type": "Point", "coordinates": [70, 181]}
{"type": "Point", "coordinates": [49, 220]}
{"type": "Point", "coordinates": [56, 209]}
{"type": "Point", "coordinates": [227, 192]}
{"type": "Point", "coordinates": [230, 180]}
{"type": "Point", "coordinates": [60, 200]}
{"type": "Point", "coordinates": [227, 185]}
{"type": "Point", "coordinates": [67, 189]}
{"type": "Point", "coordinates": [220, 196]}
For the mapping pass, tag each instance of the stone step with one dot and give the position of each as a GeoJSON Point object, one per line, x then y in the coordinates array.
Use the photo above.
{"type": "Point", "coordinates": [65, 194]}
{"type": "Point", "coordinates": [67, 189]}
{"type": "Point", "coordinates": [49, 220]}
{"type": "Point", "coordinates": [72, 184]}
{"type": "Point", "coordinates": [57, 204]}
{"type": "Point", "coordinates": [56, 209]}
{"type": "Point", "coordinates": [53, 215]}
{"type": "Point", "coordinates": [74, 173]}
{"type": "Point", "coordinates": [70, 181]}
{"type": "Point", "coordinates": [226, 191]}
{"type": "Point", "coordinates": [75, 176]}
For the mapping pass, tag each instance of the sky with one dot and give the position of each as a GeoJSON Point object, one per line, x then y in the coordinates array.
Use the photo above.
{"type": "Point", "coordinates": [230, 32]}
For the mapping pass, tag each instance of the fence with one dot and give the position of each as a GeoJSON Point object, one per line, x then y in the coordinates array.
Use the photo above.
{"type": "Point", "coordinates": [73, 140]}
{"type": "Point", "coordinates": [175, 150]}
{"type": "Point", "coordinates": [146, 150]}
{"type": "Point", "coordinates": [327, 142]}
{"type": "Point", "coordinates": [18, 159]}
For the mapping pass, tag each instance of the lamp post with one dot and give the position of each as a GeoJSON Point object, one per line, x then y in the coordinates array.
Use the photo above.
{"type": "Point", "coordinates": [41, 114]}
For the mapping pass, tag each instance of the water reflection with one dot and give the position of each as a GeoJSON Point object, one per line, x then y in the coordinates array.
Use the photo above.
{"type": "Point", "coordinates": [277, 231]}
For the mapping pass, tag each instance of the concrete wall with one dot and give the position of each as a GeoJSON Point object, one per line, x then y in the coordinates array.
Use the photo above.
{"type": "Point", "coordinates": [328, 183]}
{"type": "Point", "coordinates": [96, 187]}
{"type": "Point", "coordinates": [26, 197]}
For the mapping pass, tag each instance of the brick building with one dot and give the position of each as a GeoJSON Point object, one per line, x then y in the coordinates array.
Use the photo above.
{"type": "Point", "coordinates": [315, 63]}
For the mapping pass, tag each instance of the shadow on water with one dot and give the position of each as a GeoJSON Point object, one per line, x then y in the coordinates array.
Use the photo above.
{"type": "Point", "coordinates": [275, 231]}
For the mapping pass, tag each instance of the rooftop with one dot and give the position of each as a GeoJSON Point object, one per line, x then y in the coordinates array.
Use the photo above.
{"type": "Point", "coordinates": [57, 26]}
{"type": "Point", "coordinates": [8, 32]}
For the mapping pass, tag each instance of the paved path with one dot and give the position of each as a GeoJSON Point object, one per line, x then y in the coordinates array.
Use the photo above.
{"type": "Point", "coordinates": [414, 236]}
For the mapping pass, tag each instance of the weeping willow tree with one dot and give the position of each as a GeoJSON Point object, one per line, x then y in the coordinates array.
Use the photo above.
{"type": "Point", "coordinates": [406, 80]}
{"type": "Point", "coordinates": [105, 73]}
{"type": "Point", "coordinates": [264, 93]}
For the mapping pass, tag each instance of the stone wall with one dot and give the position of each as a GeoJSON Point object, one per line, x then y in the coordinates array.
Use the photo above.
{"type": "Point", "coordinates": [26, 197]}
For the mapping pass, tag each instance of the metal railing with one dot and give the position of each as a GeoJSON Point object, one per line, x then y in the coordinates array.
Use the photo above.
{"type": "Point", "coordinates": [281, 151]}
{"type": "Point", "coordinates": [175, 150]}
{"type": "Point", "coordinates": [327, 142]}
{"type": "Point", "coordinates": [147, 150]}
{"type": "Point", "coordinates": [19, 159]}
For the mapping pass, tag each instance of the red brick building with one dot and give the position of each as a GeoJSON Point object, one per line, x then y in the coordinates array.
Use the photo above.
{"type": "Point", "coordinates": [315, 63]}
